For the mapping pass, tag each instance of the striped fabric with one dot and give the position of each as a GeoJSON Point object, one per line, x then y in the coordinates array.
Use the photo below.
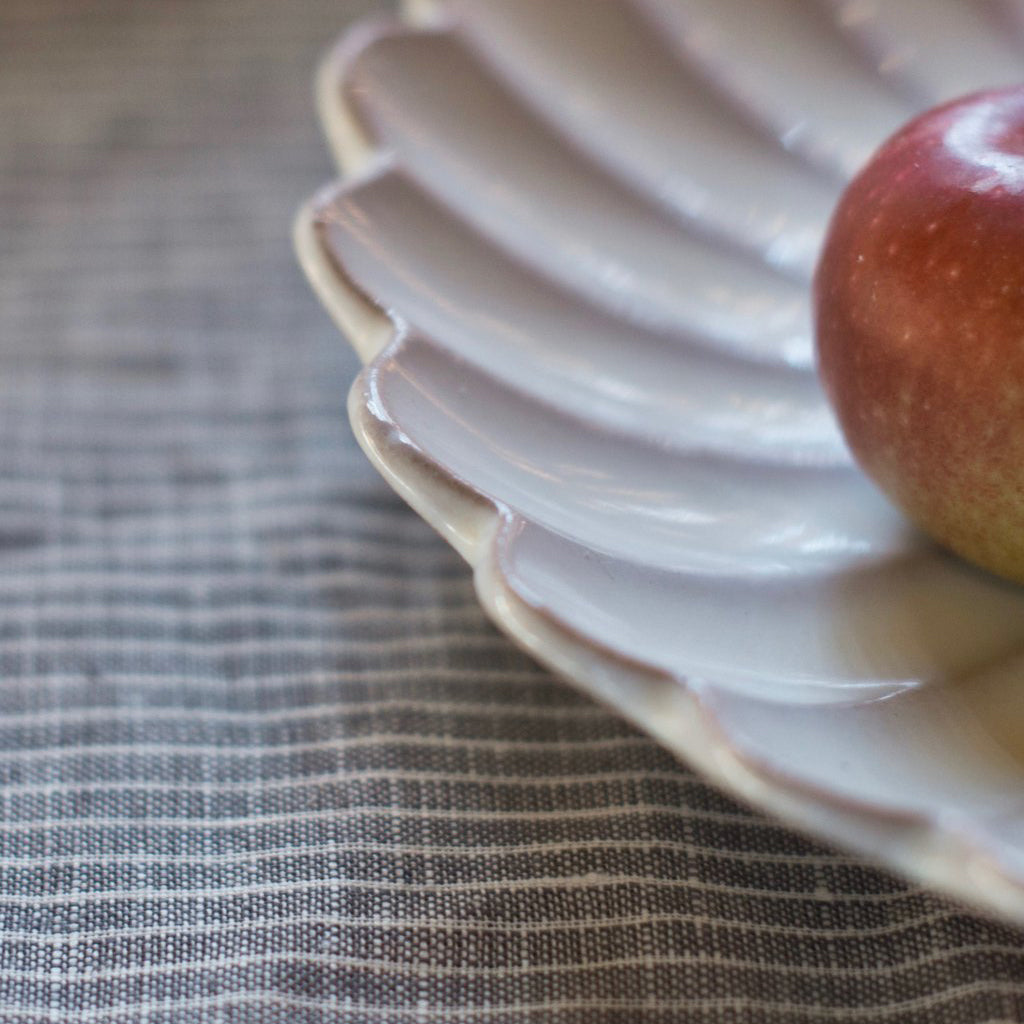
{"type": "Point", "coordinates": [262, 759]}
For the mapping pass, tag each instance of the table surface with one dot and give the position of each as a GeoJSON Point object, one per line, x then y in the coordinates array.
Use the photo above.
{"type": "Point", "coordinates": [262, 757]}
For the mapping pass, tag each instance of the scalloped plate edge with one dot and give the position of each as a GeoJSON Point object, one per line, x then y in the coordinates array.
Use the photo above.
{"type": "Point", "coordinates": [669, 709]}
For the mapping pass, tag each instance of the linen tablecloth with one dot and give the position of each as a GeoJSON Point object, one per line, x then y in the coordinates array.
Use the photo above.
{"type": "Point", "coordinates": [261, 756]}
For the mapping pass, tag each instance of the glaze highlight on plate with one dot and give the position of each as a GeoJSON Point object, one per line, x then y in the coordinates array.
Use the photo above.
{"type": "Point", "coordinates": [573, 248]}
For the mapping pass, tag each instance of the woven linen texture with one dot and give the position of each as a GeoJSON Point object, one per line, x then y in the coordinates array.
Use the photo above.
{"type": "Point", "coordinates": [261, 757]}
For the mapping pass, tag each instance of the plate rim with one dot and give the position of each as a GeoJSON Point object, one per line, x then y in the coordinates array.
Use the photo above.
{"type": "Point", "coordinates": [911, 842]}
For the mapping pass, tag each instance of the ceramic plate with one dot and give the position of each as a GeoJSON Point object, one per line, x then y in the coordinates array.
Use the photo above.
{"type": "Point", "coordinates": [573, 245]}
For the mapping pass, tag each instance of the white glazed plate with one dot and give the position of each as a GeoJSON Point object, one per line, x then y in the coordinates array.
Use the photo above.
{"type": "Point", "coordinates": [573, 246]}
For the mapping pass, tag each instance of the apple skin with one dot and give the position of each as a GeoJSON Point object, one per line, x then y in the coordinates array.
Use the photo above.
{"type": "Point", "coordinates": [919, 323]}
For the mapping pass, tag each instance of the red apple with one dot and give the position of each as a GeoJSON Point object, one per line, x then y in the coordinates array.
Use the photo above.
{"type": "Point", "coordinates": [919, 310]}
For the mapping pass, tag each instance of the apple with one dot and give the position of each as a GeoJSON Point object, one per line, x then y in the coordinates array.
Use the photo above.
{"type": "Point", "coordinates": [919, 324]}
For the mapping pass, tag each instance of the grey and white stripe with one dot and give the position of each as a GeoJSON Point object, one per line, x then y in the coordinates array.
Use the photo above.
{"type": "Point", "coordinates": [261, 757]}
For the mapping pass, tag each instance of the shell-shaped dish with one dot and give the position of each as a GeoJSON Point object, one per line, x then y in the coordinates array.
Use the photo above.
{"type": "Point", "coordinates": [573, 245]}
